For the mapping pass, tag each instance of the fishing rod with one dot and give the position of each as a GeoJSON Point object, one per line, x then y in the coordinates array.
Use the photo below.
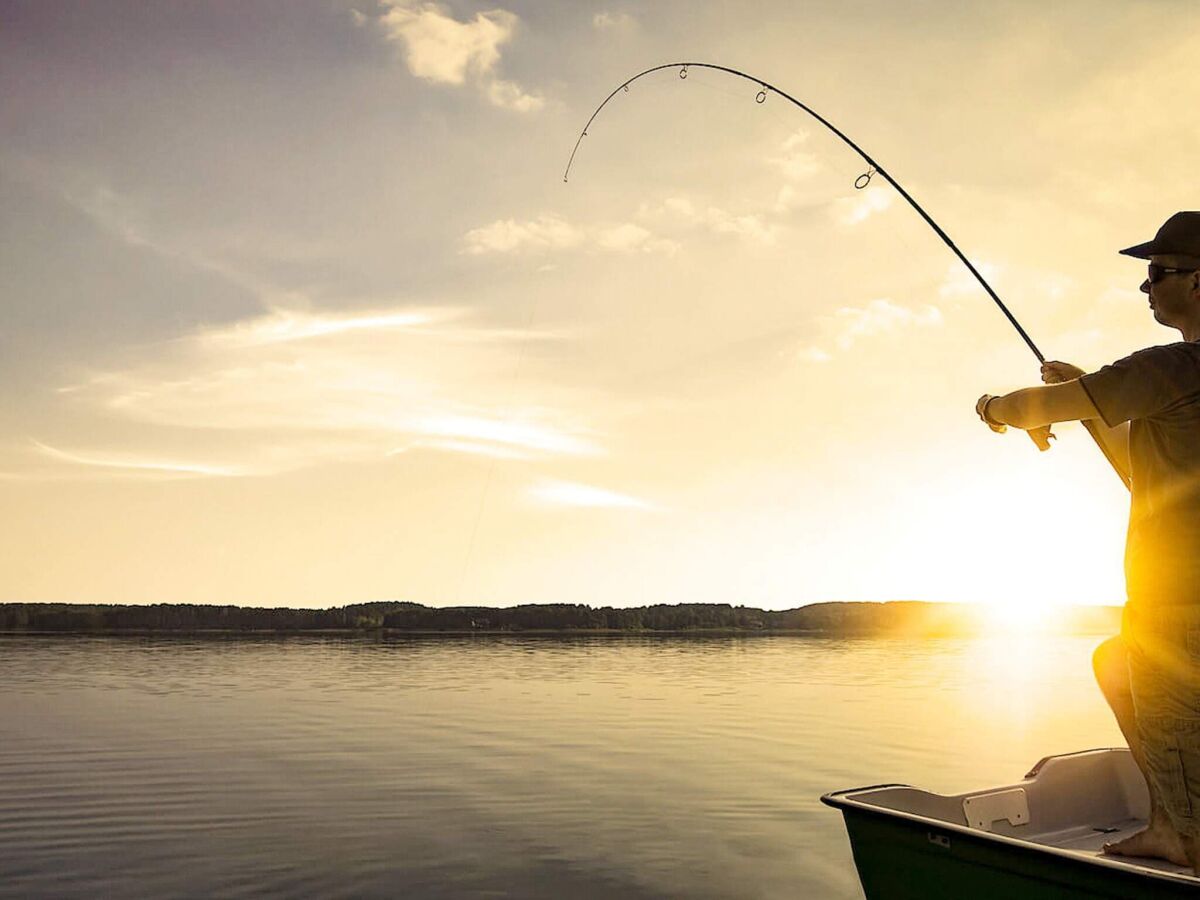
{"type": "Point", "coordinates": [873, 168]}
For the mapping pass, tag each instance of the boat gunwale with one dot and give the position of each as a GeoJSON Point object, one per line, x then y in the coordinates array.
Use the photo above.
{"type": "Point", "coordinates": [839, 800]}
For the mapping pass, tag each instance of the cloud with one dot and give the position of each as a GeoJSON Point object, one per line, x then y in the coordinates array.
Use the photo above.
{"type": "Point", "coordinates": [712, 218]}
{"type": "Point", "coordinates": [631, 238]}
{"type": "Point", "coordinates": [879, 317]}
{"type": "Point", "coordinates": [813, 355]}
{"type": "Point", "coordinates": [440, 49]}
{"type": "Point", "coordinates": [236, 254]}
{"type": "Point", "coordinates": [795, 163]}
{"type": "Point", "coordinates": [121, 217]}
{"type": "Point", "coordinates": [606, 20]}
{"type": "Point", "coordinates": [508, 95]}
{"type": "Point", "coordinates": [851, 324]}
{"type": "Point", "coordinates": [546, 232]}
{"type": "Point", "coordinates": [151, 466]}
{"type": "Point", "coordinates": [570, 493]}
{"type": "Point", "coordinates": [786, 200]}
{"type": "Point", "coordinates": [294, 386]}
{"type": "Point", "coordinates": [280, 325]}
{"type": "Point", "coordinates": [866, 203]}
{"type": "Point", "coordinates": [504, 432]}
{"type": "Point", "coordinates": [550, 232]}
{"type": "Point", "coordinates": [959, 282]}
{"type": "Point", "coordinates": [471, 448]}
{"type": "Point", "coordinates": [289, 389]}
{"type": "Point", "coordinates": [749, 227]}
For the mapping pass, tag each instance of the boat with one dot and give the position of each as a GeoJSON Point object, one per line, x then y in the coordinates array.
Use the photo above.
{"type": "Point", "coordinates": [1038, 838]}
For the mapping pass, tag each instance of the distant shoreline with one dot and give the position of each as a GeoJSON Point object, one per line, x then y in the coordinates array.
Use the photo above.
{"type": "Point", "coordinates": [907, 618]}
{"type": "Point", "coordinates": [447, 632]}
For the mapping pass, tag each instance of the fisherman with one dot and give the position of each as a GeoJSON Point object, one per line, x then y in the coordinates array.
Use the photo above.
{"type": "Point", "coordinates": [1145, 410]}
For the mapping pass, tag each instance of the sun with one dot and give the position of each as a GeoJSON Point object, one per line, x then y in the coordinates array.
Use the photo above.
{"type": "Point", "coordinates": [1026, 546]}
{"type": "Point", "coordinates": [1020, 616]}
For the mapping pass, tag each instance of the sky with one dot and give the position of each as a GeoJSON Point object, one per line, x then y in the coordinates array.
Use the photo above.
{"type": "Point", "coordinates": [297, 309]}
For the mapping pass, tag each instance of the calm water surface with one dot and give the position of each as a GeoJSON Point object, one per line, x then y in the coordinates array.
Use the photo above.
{"type": "Point", "coordinates": [497, 767]}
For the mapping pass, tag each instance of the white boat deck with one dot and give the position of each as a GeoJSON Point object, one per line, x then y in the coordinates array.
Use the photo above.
{"type": "Point", "coordinates": [1088, 841]}
{"type": "Point", "coordinates": [1073, 803]}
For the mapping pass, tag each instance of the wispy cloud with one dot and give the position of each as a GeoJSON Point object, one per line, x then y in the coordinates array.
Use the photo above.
{"type": "Point", "coordinates": [470, 448]}
{"type": "Point", "coordinates": [609, 20]}
{"type": "Point", "coordinates": [440, 49]}
{"type": "Point", "coordinates": [712, 218]}
{"type": "Point", "coordinates": [281, 325]}
{"type": "Point", "coordinates": [959, 282]}
{"type": "Point", "coordinates": [290, 389]}
{"type": "Point", "coordinates": [879, 317]}
{"type": "Point", "coordinates": [813, 355]}
{"type": "Point", "coordinates": [549, 232]}
{"type": "Point", "coordinates": [570, 493]}
{"type": "Point", "coordinates": [237, 254]}
{"type": "Point", "coordinates": [123, 218]}
{"type": "Point", "coordinates": [631, 238]}
{"type": "Point", "coordinates": [509, 95]}
{"type": "Point", "coordinates": [546, 232]}
{"type": "Point", "coordinates": [176, 468]}
{"type": "Point", "coordinates": [675, 215]}
{"type": "Point", "coordinates": [793, 160]}
{"type": "Point", "coordinates": [864, 204]}
{"type": "Point", "coordinates": [505, 432]}
{"type": "Point", "coordinates": [851, 324]}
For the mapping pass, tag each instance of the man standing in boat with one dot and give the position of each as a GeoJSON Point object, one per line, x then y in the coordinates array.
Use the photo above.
{"type": "Point", "coordinates": [1145, 409]}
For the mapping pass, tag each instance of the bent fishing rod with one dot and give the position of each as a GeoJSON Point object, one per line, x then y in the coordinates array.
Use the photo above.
{"type": "Point", "coordinates": [873, 168]}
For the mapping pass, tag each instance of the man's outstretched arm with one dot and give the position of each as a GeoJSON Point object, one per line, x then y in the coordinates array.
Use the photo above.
{"type": "Point", "coordinates": [1035, 407]}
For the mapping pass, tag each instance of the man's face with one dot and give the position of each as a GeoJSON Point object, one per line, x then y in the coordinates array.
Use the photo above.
{"type": "Point", "coordinates": [1175, 297]}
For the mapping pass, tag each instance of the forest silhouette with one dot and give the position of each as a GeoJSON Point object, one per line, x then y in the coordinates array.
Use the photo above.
{"type": "Point", "coordinates": [895, 617]}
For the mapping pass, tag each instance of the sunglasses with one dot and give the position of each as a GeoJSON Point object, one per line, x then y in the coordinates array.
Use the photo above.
{"type": "Point", "coordinates": [1157, 273]}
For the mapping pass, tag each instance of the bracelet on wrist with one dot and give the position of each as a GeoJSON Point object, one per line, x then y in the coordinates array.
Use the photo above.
{"type": "Point", "coordinates": [987, 417]}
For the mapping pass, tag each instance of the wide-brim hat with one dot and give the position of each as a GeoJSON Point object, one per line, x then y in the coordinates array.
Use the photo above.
{"type": "Point", "coordinates": [1179, 236]}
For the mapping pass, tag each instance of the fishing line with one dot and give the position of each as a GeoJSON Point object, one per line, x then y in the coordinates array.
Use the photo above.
{"type": "Point", "coordinates": [491, 470]}
{"type": "Point", "coordinates": [767, 92]}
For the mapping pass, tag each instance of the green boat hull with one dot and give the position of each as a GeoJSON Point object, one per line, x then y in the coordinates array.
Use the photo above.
{"type": "Point", "coordinates": [904, 860]}
{"type": "Point", "coordinates": [1039, 837]}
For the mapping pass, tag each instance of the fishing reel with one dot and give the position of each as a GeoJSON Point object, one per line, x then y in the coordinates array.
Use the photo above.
{"type": "Point", "coordinates": [1041, 437]}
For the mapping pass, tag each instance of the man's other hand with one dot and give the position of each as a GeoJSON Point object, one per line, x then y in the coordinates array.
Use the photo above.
{"type": "Point", "coordinates": [1055, 372]}
{"type": "Point", "coordinates": [1041, 436]}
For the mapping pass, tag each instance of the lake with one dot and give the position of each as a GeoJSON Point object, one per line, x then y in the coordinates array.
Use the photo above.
{"type": "Point", "coordinates": [498, 766]}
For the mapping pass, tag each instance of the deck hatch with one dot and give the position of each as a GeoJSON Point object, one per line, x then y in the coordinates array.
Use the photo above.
{"type": "Point", "coordinates": [984, 809]}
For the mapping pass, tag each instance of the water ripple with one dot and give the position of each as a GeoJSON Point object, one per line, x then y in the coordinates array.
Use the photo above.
{"type": "Point", "coordinates": [494, 767]}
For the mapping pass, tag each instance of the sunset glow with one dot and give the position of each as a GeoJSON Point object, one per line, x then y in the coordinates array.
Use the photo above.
{"type": "Point", "coordinates": [330, 315]}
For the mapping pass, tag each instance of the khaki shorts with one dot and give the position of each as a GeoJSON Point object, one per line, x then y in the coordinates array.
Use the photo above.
{"type": "Point", "coordinates": [1163, 644]}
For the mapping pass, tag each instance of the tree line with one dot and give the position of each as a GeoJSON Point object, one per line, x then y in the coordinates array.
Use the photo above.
{"type": "Point", "coordinates": [897, 617]}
